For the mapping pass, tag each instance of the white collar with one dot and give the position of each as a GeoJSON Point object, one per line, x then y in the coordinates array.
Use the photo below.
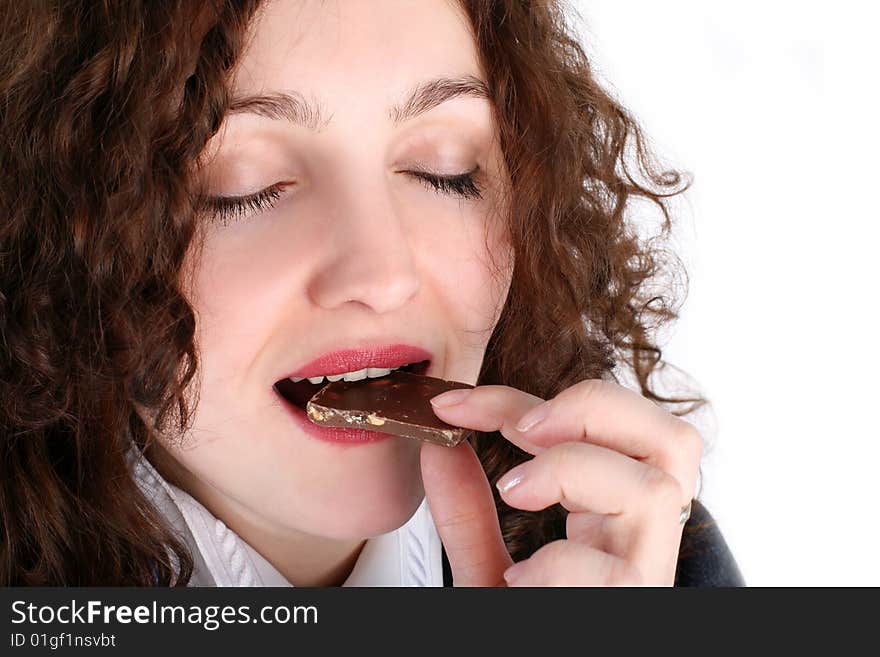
{"type": "Point", "coordinates": [407, 556]}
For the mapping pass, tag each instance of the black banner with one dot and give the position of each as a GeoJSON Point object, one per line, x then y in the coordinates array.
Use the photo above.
{"type": "Point", "coordinates": [220, 621]}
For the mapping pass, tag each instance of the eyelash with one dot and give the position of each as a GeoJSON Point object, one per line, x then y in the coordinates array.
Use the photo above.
{"type": "Point", "coordinates": [227, 209]}
{"type": "Point", "coordinates": [464, 184]}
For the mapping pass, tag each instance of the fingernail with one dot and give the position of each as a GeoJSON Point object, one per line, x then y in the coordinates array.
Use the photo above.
{"type": "Point", "coordinates": [515, 572]}
{"type": "Point", "coordinates": [450, 398]}
{"type": "Point", "coordinates": [530, 419]}
{"type": "Point", "coordinates": [510, 479]}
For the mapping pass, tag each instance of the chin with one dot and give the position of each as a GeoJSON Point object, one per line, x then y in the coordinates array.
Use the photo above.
{"type": "Point", "coordinates": [365, 514]}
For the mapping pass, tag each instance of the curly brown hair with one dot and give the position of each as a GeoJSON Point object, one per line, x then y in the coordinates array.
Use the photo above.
{"type": "Point", "coordinates": [105, 110]}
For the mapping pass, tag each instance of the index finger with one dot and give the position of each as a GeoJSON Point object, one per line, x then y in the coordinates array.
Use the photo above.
{"type": "Point", "coordinates": [489, 408]}
{"type": "Point", "coordinates": [593, 410]}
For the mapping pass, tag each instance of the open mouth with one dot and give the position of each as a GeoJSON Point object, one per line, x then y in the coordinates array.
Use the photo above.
{"type": "Point", "coordinates": [301, 392]}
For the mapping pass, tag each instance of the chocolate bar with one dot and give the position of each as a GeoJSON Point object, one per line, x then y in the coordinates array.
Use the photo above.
{"type": "Point", "coordinates": [397, 404]}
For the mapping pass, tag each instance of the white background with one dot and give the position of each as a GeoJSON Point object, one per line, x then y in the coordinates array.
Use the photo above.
{"type": "Point", "coordinates": [771, 107]}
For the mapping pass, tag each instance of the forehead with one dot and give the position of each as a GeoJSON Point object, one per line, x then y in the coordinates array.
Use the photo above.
{"type": "Point", "coordinates": [339, 50]}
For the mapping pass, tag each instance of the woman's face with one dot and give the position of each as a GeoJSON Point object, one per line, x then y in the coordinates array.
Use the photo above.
{"type": "Point", "coordinates": [347, 250]}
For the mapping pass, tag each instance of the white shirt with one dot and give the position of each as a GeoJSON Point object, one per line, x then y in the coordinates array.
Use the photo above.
{"type": "Point", "coordinates": [407, 556]}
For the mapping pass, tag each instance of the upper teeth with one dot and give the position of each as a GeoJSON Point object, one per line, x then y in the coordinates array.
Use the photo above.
{"type": "Point", "coordinates": [367, 372]}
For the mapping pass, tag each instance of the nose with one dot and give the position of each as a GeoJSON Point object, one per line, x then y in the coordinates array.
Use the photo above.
{"type": "Point", "coordinates": [370, 260]}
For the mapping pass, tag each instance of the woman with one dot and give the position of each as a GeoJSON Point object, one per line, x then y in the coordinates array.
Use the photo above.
{"type": "Point", "coordinates": [205, 201]}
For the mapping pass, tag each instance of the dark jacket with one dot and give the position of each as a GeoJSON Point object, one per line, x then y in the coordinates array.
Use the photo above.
{"type": "Point", "coordinates": [703, 558]}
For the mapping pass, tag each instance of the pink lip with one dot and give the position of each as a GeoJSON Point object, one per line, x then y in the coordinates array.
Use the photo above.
{"type": "Point", "coordinates": [351, 360]}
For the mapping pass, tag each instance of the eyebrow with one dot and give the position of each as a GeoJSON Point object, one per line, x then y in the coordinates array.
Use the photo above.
{"type": "Point", "coordinates": [295, 108]}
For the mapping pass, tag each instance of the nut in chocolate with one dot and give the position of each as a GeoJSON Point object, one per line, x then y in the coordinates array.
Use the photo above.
{"type": "Point", "coordinates": [396, 404]}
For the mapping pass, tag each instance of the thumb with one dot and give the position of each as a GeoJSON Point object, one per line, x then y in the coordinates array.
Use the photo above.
{"type": "Point", "coordinates": [460, 499]}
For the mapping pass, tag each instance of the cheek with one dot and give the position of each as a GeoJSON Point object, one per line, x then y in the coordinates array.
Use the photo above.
{"type": "Point", "coordinates": [235, 304]}
{"type": "Point", "coordinates": [460, 261]}
{"type": "Point", "coordinates": [232, 319]}
{"type": "Point", "coordinates": [228, 284]}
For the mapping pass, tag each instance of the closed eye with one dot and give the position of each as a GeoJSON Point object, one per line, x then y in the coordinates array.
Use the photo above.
{"type": "Point", "coordinates": [463, 184]}
{"type": "Point", "coordinates": [229, 209]}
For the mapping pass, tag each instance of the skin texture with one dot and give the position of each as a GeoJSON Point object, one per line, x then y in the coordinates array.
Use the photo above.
{"type": "Point", "coordinates": [356, 252]}
{"type": "Point", "coordinates": [621, 465]}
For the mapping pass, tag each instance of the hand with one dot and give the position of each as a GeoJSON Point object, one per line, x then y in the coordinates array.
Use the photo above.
{"type": "Point", "coordinates": [620, 464]}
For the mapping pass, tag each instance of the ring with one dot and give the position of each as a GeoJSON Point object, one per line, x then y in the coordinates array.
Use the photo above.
{"type": "Point", "coordinates": [685, 513]}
